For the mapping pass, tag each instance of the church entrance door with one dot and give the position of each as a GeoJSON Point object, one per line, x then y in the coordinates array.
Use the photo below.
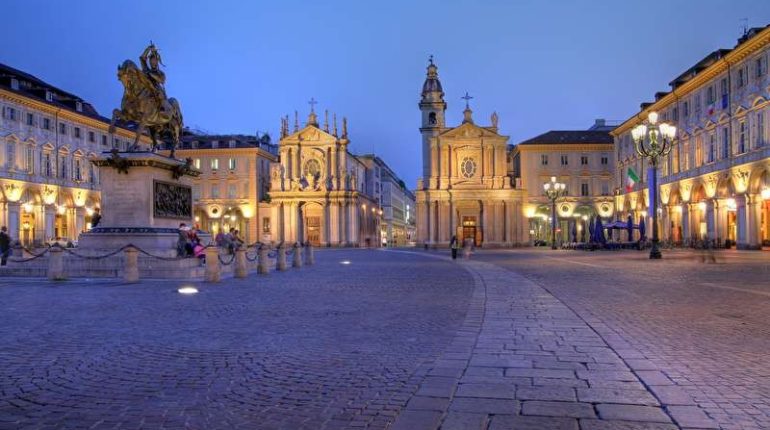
{"type": "Point", "coordinates": [469, 229]}
{"type": "Point", "coordinates": [313, 224]}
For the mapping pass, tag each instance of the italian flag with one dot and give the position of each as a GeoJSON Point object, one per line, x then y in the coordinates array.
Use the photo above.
{"type": "Point", "coordinates": [632, 179]}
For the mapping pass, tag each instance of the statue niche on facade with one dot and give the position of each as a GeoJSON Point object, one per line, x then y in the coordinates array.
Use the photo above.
{"type": "Point", "coordinates": [144, 101]}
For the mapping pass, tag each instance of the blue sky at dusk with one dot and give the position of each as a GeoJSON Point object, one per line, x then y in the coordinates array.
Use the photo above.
{"type": "Point", "coordinates": [237, 67]}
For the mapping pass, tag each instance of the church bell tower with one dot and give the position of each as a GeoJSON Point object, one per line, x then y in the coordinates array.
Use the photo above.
{"type": "Point", "coordinates": [433, 108]}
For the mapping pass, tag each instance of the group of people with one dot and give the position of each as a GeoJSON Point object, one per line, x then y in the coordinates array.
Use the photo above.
{"type": "Point", "coordinates": [189, 244]}
{"type": "Point", "coordinates": [230, 241]}
{"type": "Point", "coordinates": [454, 245]}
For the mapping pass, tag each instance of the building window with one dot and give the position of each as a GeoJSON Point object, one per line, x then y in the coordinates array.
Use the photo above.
{"type": "Point", "coordinates": [741, 78]}
{"type": "Point", "coordinates": [265, 225]}
{"type": "Point", "coordinates": [232, 192]}
{"type": "Point", "coordinates": [710, 96]}
{"type": "Point", "coordinates": [46, 124]}
{"type": "Point", "coordinates": [197, 163]}
{"type": "Point", "coordinates": [544, 159]}
{"type": "Point", "coordinates": [47, 164]}
{"type": "Point", "coordinates": [432, 118]}
{"type": "Point", "coordinates": [697, 104]}
{"type": "Point", "coordinates": [698, 151]}
{"type": "Point", "coordinates": [231, 163]}
{"type": "Point", "coordinates": [78, 173]}
{"type": "Point", "coordinates": [712, 147]}
{"type": "Point", "coordinates": [77, 132]}
{"type": "Point", "coordinates": [686, 109]}
{"type": "Point", "coordinates": [584, 189]}
{"type": "Point", "coordinates": [63, 168]}
{"type": "Point", "coordinates": [30, 160]}
{"type": "Point", "coordinates": [758, 67]}
{"type": "Point", "coordinates": [91, 136]}
{"type": "Point", "coordinates": [583, 160]}
{"type": "Point", "coordinates": [675, 114]}
{"type": "Point", "coordinates": [214, 164]}
{"type": "Point", "coordinates": [675, 160]}
{"type": "Point", "coordinates": [725, 143]}
{"type": "Point", "coordinates": [742, 137]}
{"type": "Point", "coordinates": [62, 128]}
{"type": "Point", "coordinates": [468, 167]}
{"type": "Point", "coordinates": [10, 152]}
{"type": "Point", "coordinates": [564, 160]}
{"type": "Point", "coordinates": [215, 191]}
{"type": "Point", "coordinates": [30, 119]}
{"type": "Point", "coordinates": [10, 113]}
{"type": "Point", "coordinates": [91, 174]}
{"type": "Point", "coordinates": [104, 140]}
{"type": "Point", "coordinates": [760, 129]}
{"type": "Point", "coordinates": [605, 160]}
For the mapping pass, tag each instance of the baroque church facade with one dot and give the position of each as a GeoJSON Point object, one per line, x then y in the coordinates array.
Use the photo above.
{"type": "Point", "coordinates": [320, 192]}
{"type": "Point", "coordinates": [466, 189]}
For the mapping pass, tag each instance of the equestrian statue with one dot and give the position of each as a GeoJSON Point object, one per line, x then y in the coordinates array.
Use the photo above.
{"type": "Point", "coordinates": [145, 103]}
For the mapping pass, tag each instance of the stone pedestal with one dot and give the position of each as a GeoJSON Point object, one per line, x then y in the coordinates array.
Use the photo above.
{"type": "Point", "coordinates": [145, 196]}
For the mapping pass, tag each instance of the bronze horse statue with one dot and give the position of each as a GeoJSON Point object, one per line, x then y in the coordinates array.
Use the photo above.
{"type": "Point", "coordinates": [144, 105]}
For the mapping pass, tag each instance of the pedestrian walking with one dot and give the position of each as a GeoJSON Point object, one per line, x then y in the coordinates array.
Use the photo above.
{"type": "Point", "coordinates": [467, 245]}
{"type": "Point", "coordinates": [5, 246]}
{"type": "Point", "coordinates": [454, 244]}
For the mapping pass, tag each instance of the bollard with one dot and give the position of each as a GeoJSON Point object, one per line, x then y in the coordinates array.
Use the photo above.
{"type": "Point", "coordinates": [297, 261]}
{"type": "Point", "coordinates": [263, 267]}
{"type": "Point", "coordinates": [309, 255]}
{"type": "Point", "coordinates": [212, 271]}
{"type": "Point", "coordinates": [281, 258]}
{"type": "Point", "coordinates": [131, 273]}
{"type": "Point", "coordinates": [56, 264]}
{"type": "Point", "coordinates": [240, 263]}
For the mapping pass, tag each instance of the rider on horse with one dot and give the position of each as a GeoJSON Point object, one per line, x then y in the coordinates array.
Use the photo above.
{"type": "Point", "coordinates": [151, 62]}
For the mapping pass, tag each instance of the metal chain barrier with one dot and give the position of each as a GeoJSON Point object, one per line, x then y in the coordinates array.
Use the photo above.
{"type": "Point", "coordinates": [94, 257]}
{"type": "Point", "coordinates": [232, 258]}
{"type": "Point", "coordinates": [34, 256]}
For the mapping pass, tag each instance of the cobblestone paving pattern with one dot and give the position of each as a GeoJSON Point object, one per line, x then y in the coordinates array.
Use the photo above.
{"type": "Point", "coordinates": [329, 346]}
{"type": "Point", "coordinates": [524, 360]}
{"type": "Point", "coordinates": [696, 334]}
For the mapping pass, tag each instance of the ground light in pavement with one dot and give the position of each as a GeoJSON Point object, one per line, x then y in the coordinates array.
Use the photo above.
{"type": "Point", "coordinates": [187, 290]}
{"type": "Point", "coordinates": [345, 262]}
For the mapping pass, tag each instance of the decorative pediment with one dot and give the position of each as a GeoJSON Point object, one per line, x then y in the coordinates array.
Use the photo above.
{"type": "Point", "coordinates": [469, 130]}
{"type": "Point", "coordinates": [310, 134]}
{"type": "Point", "coordinates": [758, 101]}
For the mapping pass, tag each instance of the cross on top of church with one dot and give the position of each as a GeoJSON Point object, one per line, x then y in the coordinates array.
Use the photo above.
{"type": "Point", "coordinates": [467, 98]}
{"type": "Point", "coordinates": [312, 104]}
{"type": "Point", "coordinates": [430, 58]}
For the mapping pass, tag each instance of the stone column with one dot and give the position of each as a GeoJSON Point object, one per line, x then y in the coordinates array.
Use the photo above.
{"type": "Point", "coordinates": [334, 223]}
{"type": "Point", "coordinates": [131, 270]}
{"type": "Point", "coordinates": [49, 219]}
{"type": "Point", "coordinates": [741, 219]}
{"type": "Point", "coordinates": [485, 220]}
{"type": "Point", "coordinates": [80, 221]}
{"type": "Point", "coordinates": [443, 221]}
{"type": "Point", "coordinates": [452, 220]}
{"type": "Point", "coordinates": [14, 220]}
{"type": "Point", "coordinates": [710, 218]}
{"type": "Point", "coordinates": [685, 222]}
{"type": "Point", "coordinates": [753, 220]}
{"type": "Point", "coordinates": [212, 269]}
{"type": "Point", "coordinates": [241, 271]}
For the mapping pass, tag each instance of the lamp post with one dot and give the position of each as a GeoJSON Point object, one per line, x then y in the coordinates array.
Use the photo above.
{"type": "Point", "coordinates": [553, 191]}
{"type": "Point", "coordinates": [653, 141]}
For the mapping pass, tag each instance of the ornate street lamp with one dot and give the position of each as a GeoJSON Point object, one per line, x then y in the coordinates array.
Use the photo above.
{"type": "Point", "coordinates": [653, 141]}
{"type": "Point", "coordinates": [554, 191]}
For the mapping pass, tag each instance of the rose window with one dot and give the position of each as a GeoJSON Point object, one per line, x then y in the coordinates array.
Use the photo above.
{"type": "Point", "coordinates": [312, 168]}
{"type": "Point", "coordinates": [468, 167]}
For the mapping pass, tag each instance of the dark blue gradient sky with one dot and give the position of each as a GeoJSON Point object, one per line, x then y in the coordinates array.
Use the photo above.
{"type": "Point", "coordinates": [237, 67]}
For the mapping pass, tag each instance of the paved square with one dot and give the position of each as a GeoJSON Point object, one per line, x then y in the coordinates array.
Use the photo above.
{"type": "Point", "coordinates": [400, 340]}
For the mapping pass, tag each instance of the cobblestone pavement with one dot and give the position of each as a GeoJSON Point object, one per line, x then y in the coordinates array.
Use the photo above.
{"type": "Point", "coordinates": [399, 340]}
{"type": "Point", "coordinates": [327, 346]}
{"type": "Point", "coordinates": [695, 333]}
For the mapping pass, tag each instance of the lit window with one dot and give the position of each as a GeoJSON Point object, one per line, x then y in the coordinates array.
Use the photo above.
{"type": "Point", "coordinates": [214, 164]}
{"type": "Point", "coordinates": [231, 164]}
{"type": "Point", "coordinates": [197, 163]}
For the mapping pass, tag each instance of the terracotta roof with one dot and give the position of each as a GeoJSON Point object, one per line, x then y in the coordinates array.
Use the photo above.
{"type": "Point", "coordinates": [197, 141]}
{"type": "Point", "coordinates": [570, 136]}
